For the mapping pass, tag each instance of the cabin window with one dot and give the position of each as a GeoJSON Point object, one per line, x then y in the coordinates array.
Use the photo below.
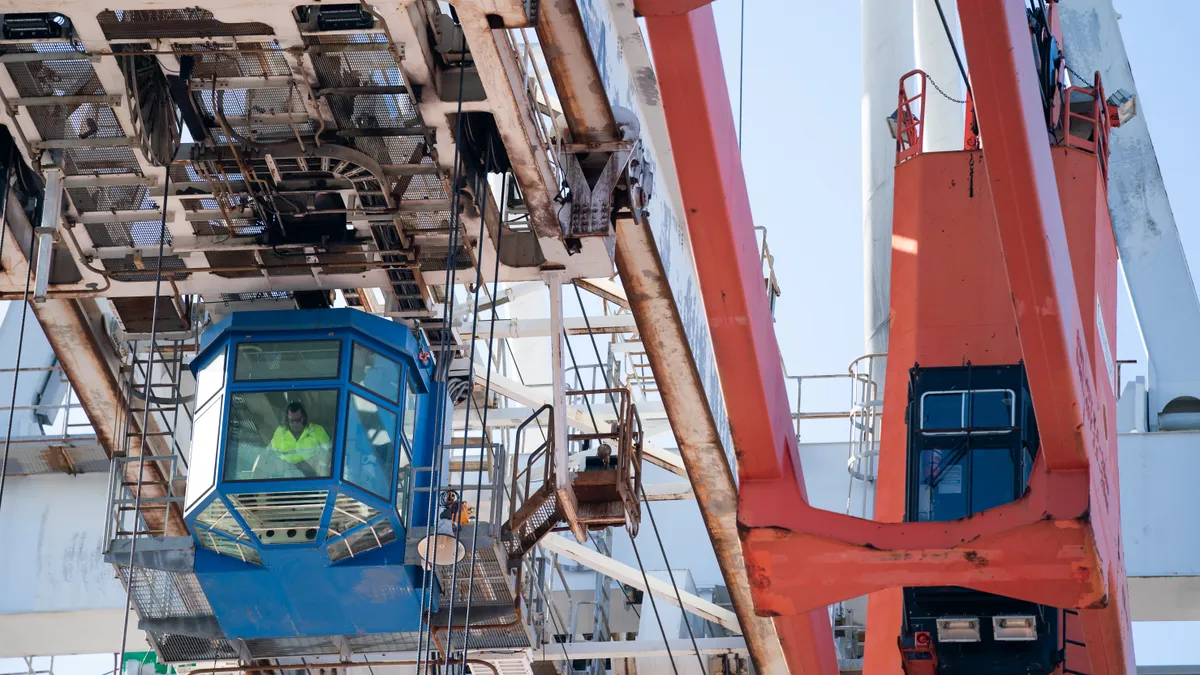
{"type": "Point", "coordinates": [287, 360]}
{"type": "Point", "coordinates": [370, 446]}
{"type": "Point", "coordinates": [981, 410]}
{"type": "Point", "coordinates": [280, 434]}
{"type": "Point", "coordinates": [374, 372]}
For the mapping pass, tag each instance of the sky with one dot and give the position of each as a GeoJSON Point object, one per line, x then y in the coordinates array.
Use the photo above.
{"type": "Point", "coordinates": [802, 159]}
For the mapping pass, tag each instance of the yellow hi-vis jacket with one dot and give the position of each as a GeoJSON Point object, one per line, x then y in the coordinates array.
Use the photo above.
{"type": "Point", "coordinates": [312, 440]}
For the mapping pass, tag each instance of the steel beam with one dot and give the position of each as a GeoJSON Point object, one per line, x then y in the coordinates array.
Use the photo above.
{"type": "Point", "coordinates": [691, 76]}
{"type": "Point", "coordinates": [75, 330]}
{"type": "Point", "coordinates": [631, 576]}
{"type": "Point", "coordinates": [1054, 344]}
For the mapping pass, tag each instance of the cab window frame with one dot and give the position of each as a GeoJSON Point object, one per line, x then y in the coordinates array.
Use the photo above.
{"type": "Point", "coordinates": [335, 433]}
{"type": "Point", "coordinates": [966, 399]}
{"type": "Point", "coordinates": [237, 345]}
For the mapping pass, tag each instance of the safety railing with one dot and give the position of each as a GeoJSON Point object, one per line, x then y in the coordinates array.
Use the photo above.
{"type": "Point", "coordinates": [538, 95]}
{"type": "Point", "coordinates": [908, 122]}
{"type": "Point", "coordinates": [863, 414]}
{"type": "Point", "coordinates": [57, 414]}
{"type": "Point", "coordinates": [162, 492]}
{"type": "Point", "coordinates": [767, 263]}
{"type": "Point", "coordinates": [1085, 121]}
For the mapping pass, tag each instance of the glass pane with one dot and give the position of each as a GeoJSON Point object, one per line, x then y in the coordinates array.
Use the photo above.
{"type": "Point", "coordinates": [402, 479]}
{"type": "Point", "coordinates": [282, 517]}
{"type": "Point", "coordinates": [202, 463]}
{"type": "Point", "coordinates": [219, 544]}
{"type": "Point", "coordinates": [348, 513]}
{"type": "Point", "coordinates": [370, 370]}
{"type": "Point", "coordinates": [993, 478]}
{"type": "Point", "coordinates": [370, 446]}
{"type": "Point", "coordinates": [375, 535]}
{"type": "Point", "coordinates": [410, 413]}
{"type": "Point", "coordinates": [210, 380]}
{"type": "Point", "coordinates": [942, 493]}
{"type": "Point", "coordinates": [941, 411]}
{"type": "Point", "coordinates": [280, 434]}
{"type": "Point", "coordinates": [991, 409]}
{"type": "Point", "coordinates": [218, 517]}
{"type": "Point", "coordinates": [291, 360]}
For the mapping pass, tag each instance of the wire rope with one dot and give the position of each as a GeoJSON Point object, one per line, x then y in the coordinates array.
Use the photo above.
{"type": "Point", "coordinates": [480, 187]}
{"type": "Point", "coordinates": [487, 388]}
{"type": "Point", "coordinates": [645, 579]}
{"type": "Point", "coordinates": [654, 525]}
{"type": "Point", "coordinates": [146, 403]}
{"type": "Point", "coordinates": [20, 346]}
{"type": "Point", "coordinates": [442, 372]}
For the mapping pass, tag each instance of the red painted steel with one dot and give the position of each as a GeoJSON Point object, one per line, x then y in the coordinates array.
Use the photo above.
{"type": "Point", "coordinates": [1038, 273]}
{"type": "Point", "coordinates": [687, 59]}
{"type": "Point", "coordinates": [1075, 430]}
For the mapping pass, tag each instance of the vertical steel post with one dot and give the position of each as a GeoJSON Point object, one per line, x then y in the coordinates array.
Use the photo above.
{"type": "Point", "coordinates": [554, 282]}
{"type": "Point", "coordinates": [51, 217]}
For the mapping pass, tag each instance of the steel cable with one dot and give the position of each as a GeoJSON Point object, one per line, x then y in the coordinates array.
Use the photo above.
{"type": "Point", "coordinates": [487, 388]}
{"type": "Point", "coordinates": [654, 525]}
{"type": "Point", "coordinates": [137, 498]}
{"type": "Point", "coordinates": [636, 553]}
{"type": "Point", "coordinates": [20, 347]}
{"type": "Point", "coordinates": [442, 372]}
{"type": "Point", "coordinates": [480, 188]}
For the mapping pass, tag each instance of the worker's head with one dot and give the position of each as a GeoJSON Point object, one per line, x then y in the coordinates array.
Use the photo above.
{"type": "Point", "coordinates": [604, 452]}
{"type": "Point", "coordinates": [297, 419]}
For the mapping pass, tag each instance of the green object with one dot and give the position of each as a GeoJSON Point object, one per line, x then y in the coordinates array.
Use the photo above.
{"type": "Point", "coordinates": [148, 659]}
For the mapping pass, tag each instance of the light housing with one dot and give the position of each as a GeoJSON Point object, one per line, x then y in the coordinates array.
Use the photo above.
{"type": "Point", "coordinates": [958, 629]}
{"type": "Point", "coordinates": [1123, 107]}
{"type": "Point", "coordinates": [1014, 628]}
{"type": "Point", "coordinates": [440, 549]}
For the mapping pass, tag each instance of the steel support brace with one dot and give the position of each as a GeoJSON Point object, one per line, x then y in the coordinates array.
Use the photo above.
{"type": "Point", "coordinates": [1053, 342]}
{"type": "Point", "coordinates": [691, 77]}
{"type": "Point", "coordinates": [562, 477]}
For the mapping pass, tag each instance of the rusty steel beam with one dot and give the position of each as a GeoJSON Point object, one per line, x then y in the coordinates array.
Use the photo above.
{"type": "Point", "coordinates": [573, 68]}
{"type": "Point", "coordinates": [74, 329]}
{"type": "Point", "coordinates": [682, 390]}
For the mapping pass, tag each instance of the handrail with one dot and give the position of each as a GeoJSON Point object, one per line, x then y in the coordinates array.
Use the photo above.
{"type": "Point", "coordinates": [517, 471]}
{"type": "Point", "coordinates": [910, 125]}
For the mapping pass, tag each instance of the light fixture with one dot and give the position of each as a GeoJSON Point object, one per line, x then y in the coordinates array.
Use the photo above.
{"type": "Point", "coordinates": [440, 549]}
{"type": "Point", "coordinates": [1125, 106]}
{"type": "Point", "coordinates": [1014, 628]}
{"type": "Point", "coordinates": [893, 123]}
{"type": "Point", "coordinates": [958, 629]}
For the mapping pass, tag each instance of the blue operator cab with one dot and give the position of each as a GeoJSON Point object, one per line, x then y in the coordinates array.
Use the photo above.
{"type": "Point", "coordinates": [972, 441]}
{"type": "Point", "coordinates": [307, 426]}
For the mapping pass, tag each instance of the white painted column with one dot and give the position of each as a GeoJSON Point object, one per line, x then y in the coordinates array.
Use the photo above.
{"type": "Point", "coordinates": [57, 595]}
{"type": "Point", "coordinates": [1152, 256]}
{"type": "Point", "coordinates": [887, 53]}
{"type": "Point", "coordinates": [558, 375]}
{"type": "Point", "coordinates": [943, 117]}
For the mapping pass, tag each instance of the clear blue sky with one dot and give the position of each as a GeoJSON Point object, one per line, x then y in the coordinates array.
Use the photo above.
{"type": "Point", "coordinates": [802, 154]}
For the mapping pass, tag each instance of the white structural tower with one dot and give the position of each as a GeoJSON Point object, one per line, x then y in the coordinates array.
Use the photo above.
{"type": "Point", "coordinates": [1152, 256]}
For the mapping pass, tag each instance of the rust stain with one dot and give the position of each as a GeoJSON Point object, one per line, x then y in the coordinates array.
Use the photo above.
{"type": "Point", "coordinates": [975, 559]}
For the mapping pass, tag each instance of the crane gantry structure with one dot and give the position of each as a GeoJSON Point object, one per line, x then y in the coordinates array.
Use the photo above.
{"type": "Point", "coordinates": [173, 168]}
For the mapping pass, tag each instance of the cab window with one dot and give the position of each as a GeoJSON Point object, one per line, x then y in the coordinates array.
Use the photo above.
{"type": "Point", "coordinates": [374, 372]}
{"type": "Point", "coordinates": [280, 434]}
{"type": "Point", "coordinates": [287, 360]}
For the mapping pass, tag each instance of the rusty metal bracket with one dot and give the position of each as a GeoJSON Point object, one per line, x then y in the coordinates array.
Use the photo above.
{"type": "Point", "coordinates": [593, 173]}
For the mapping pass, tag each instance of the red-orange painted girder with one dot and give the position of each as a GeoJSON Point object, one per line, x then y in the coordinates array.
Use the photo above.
{"type": "Point", "coordinates": [695, 98]}
{"type": "Point", "coordinates": [1058, 544]}
{"type": "Point", "coordinates": [1054, 340]}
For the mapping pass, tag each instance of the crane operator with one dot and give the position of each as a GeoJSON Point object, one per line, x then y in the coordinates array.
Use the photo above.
{"type": "Point", "coordinates": [306, 447]}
